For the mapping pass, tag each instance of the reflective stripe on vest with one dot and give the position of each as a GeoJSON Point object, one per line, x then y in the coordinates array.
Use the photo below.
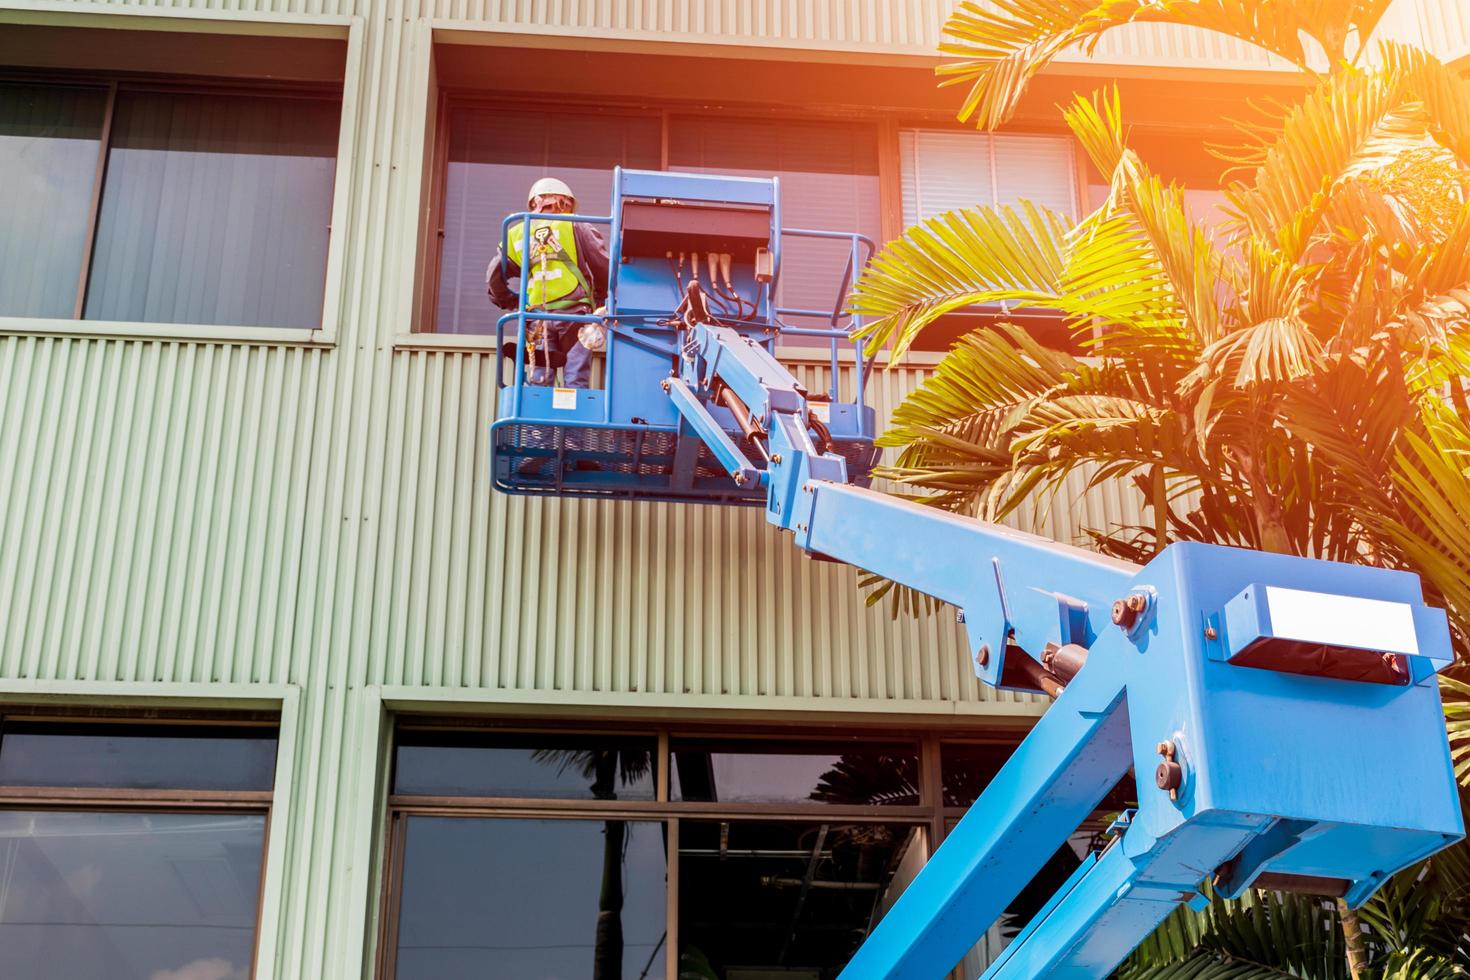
{"type": "Point", "coordinates": [551, 275]}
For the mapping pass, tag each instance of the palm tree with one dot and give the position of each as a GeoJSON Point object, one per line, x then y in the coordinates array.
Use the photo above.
{"type": "Point", "coordinates": [1291, 381]}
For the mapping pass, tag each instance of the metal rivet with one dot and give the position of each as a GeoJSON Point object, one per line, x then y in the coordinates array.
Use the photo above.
{"type": "Point", "coordinates": [1210, 633]}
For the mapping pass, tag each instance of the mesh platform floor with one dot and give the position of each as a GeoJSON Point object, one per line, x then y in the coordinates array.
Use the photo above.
{"type": "Point", "coordinates": [573, 460]}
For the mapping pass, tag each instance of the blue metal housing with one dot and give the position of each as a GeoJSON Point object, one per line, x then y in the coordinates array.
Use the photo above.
{"type": "Point", "coordinates": [1288, 708]}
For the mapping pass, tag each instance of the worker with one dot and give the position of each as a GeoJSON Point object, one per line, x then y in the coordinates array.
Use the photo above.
{"type": "Point", "coordinates": [568, 263]}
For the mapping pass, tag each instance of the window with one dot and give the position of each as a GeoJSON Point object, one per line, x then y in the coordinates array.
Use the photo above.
{"type": "Point", "coordinates": [829, 182]}
{"type": "Point", "coordinates": [493, 157]}
{"type": "Point", "coordinates": [145, 202]}
{"type": "Point", "coordinates": [943, 170]}
{"type": "Point", "coordinates": [522, 899]}
{"type": "Point", "coordinates": [131, 850]}
{"type": "Point", "coordinates": [734, 855]}
{"type": "Point", "coordinates": [736, 771]}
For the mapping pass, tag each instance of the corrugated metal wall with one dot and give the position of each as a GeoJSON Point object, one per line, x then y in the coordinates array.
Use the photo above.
{"type": "Point", "coordinates": [475, 588]}
{"type": "Point", "coordinates": [207, 512]}
{"type": "Point", "coordinates": [907, 27]}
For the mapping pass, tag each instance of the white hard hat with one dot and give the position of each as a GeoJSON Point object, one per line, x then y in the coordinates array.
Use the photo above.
{"type": "Point", "coordinates": [550, 185]}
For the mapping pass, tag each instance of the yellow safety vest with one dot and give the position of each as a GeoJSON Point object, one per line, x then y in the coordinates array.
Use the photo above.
{"type": "Point", "coordinates": [551, 274]}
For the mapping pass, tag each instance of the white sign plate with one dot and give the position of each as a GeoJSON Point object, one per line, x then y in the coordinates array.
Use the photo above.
{"type": "Point", "coordinates": [1339, 620]}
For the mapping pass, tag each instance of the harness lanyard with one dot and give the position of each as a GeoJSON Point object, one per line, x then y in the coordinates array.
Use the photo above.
{"type": "Point", "coordinates": [542, 333]}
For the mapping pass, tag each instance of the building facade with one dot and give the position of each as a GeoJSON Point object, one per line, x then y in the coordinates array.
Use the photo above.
{"type": "Point", "coordinates": [285, 689]}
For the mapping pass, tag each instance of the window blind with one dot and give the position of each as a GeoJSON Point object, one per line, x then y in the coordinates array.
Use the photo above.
{"type": "Point", "coordinates": [215, 210]}
{"type": "Point", "coordinates": [494, 157]}
{"type": "Point", "coordinates": [943, 170]}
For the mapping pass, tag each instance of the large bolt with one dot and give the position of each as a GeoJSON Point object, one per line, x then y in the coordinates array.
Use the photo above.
{"type": "Point", "coordinates": [1169, 776]}
{"type": "Point", "coordinates": [1127, 610]}
{"type": "Point", "coordinates": [982, 656]}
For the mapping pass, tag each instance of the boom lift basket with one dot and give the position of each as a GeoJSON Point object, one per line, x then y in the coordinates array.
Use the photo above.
{"type": "Point", "coordinates": [626, 439]}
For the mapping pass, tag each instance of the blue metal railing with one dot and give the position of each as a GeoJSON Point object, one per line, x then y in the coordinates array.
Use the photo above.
{"type": "Point", "coordinates": [838, 334]}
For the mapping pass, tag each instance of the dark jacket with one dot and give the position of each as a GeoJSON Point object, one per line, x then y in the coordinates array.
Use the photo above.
{"type": "Point", "coordinates": [591, 259]}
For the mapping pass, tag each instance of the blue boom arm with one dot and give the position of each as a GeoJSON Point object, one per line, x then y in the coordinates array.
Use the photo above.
{"type": "Point", "coordinates": [1286, 708]}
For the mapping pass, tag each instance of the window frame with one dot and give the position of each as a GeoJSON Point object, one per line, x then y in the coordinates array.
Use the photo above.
{"type": "Point", "coordinates": [106, 800]}
{"type": "Point", "coordinates": [348, 29]}
{"type": "Point", "coordinates": [930, 815]}
{"type": "Point", "coordinates": [160, 700]}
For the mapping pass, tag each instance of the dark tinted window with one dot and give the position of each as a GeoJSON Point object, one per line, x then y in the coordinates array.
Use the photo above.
{"type": "Point", "coordinates": [128, 896]}
{"type": "Point", "coordinates": [531, 899]}
{"type": "Point", "coordinates": [967, 769]}
{"type": "Point", "coordinates": [495, 155]}
{"type": "Point", "coordinates": [431, 763]}
{"type": "Point", "coordinates": [137, 756]}
{"type": "Point", "coordinates": [769, 771]}
{"type": "Point", "coordinates": [786, 899]}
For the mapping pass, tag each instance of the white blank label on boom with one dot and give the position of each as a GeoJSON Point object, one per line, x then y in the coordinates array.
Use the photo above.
{"type": "Point", "coordinates": [1339, 620]}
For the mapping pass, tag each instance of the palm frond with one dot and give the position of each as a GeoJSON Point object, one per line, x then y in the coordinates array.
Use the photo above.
{"type": "Point", "coordinates": [1456, 695]}
{"type": "Point", "coordinates": [1259, 934]}
{"type": "Point", "coordinates": [1432, 529]}
{"type": "Point", "coordinates": [1420, 965]}
{"type": "Point", "coordinates": [1001, 45]}
{"type": "Point", "coordinates": [1351, 121]}
{"type": "Point", "coordinates": [1444, 94]}
{"type": "Point", "coordinates": [1190, 270]}
{"type": "Point", "coordinates": [1424, 910]}
{"type": "Point", "coordinates": [958, 259]}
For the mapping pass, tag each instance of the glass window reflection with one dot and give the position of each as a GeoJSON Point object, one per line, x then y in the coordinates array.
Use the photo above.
{"type": "Point", "coordinates": [786, 899]}
{"type": "Point", "coordinates": [531, 899]}
{"type": "Point", "coordinates": [854, 773]}
{"type": "Point", "coordinates": [49, 136]}
{"type": "Point", "coordinates": [128, 896]}
{"type": "Point", "coordinates": [215, 210]}
{"type": "Point", "coordinates": [137, 756]}
{"type": "Point", "coordinates": [966, 769]}
{"type": "Point", "coordinates": [525, 766]}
